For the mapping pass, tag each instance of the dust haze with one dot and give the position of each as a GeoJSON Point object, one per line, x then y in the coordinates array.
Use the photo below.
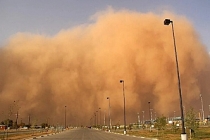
{"type": "Point", "coordinates": [82, 66]}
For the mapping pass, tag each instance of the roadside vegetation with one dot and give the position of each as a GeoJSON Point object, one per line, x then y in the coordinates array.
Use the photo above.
{"type": "Point", "coordinates": [162, 130]}
{"type": "Point", "coordinates": [202, 133]}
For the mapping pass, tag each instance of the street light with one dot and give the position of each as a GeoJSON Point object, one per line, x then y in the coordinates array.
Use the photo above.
{"type": "Point", "coordinates": [96, 118]}
{"type": "Point", "coordinates": [174, 115]}
{"type": "Point", "coordinates": [99, 117]}
{"type": "Point", "coordinates": [104, 118]}
{"type": "Point", "coordinates": [200, 115]}
{"type": "Point", "coordinates": [183, 135]}
{"type": "Point", "coordinates": [65, 117]}
{"type": "Point", "coordinates": [209, 112]}
{"type": "Point", "coordinates": [122, 81]}
{"type": "Point", "coordinates": [17, 115]}
{"type": "Point", "coordinates": [29, 120]}
{"type": "Point", "coordinates": [142, 117]}
{"type": "Point", "coordinates": [155, 115]}
{"type": "Point", "coordinates": [138, 120]}
{"type": "Point", "coordinates": [149, 112]}
{"type": "Point", "coordinates": [109, 115]}
{"type": "Point", "coordinates": [202, 112]}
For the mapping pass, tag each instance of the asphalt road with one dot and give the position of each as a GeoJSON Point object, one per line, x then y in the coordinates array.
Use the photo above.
{"type": "Point", "coordinates": [88, 134]}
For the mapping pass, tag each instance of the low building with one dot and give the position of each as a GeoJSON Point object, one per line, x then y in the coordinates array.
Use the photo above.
{"type": "Point", "coordinates": [2, 127]}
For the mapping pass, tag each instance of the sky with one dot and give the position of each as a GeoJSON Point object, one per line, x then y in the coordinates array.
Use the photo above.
{"type": "Point", "coordinates": [48, 17]}
{"type": "Point", "coordinates": [60, 53]}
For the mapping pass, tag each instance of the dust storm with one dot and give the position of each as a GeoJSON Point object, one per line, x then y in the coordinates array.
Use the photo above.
{"type": "Point", "coordinates": [82, 66]}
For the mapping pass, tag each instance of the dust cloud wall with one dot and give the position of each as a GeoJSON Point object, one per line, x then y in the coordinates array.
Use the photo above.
{"type": "Point", "coordinates": [81, 67]}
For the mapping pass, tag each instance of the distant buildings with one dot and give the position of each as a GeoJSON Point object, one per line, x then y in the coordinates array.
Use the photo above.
{"type": "Point", "coordinates": [2, 127]}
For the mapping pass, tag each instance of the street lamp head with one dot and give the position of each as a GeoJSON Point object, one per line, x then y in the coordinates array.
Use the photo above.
{"type": "Point", "coordinates": [107, 97]}
{"type": "Point", "coordinates": [148, 102]}
{"type": "Point", "coordinates": [167, 21]}
{"type": "Point", "coordinates": [121, 81]}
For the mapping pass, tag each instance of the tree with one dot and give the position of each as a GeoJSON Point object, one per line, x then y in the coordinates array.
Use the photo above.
{"type": "Point", "coordinates": [160, 123]}
{"type": "Point", "coordinates": [7, 122]}
{"type": "Point", "coordinates": [2, 123]}
{"type": "Point", "coordinates": [44, 125]}
{"type": "Point", "coordinates": [191, 121]}
{"type": "Point", "coordinates": [174, 126]}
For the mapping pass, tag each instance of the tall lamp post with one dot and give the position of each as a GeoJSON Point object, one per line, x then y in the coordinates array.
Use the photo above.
{"type": "Point", "coordinates": [65, 117]}
{"type": "Point", "coordinates": [183, 135]}
{"type": "Point", "coordinates": [209, 112]}
{"type": "Point", "coordinates": [99, 117]}
{"type": "Point", "coordinates": [29, 120]}
{"type": "Point", "coordinates": [90, 121]}
{"type": "Point", "coordinates": [96, 118]}
{"type": "Point", "coordinates": [149, 112]}
{"type": "Point", "coordinates": [138, 120]}
{"type": "Point", "coordinates": [109, 115]}
{"type": "Point", "coordinates": [122, 81]}
{"type": "Point", "coordinates": [104, 118]}
{"type": "Point", "coordinates": [202, 112]}
{"type": "Point", "coordinates": [174, 115]}
{"type": "Point", "coordinates": [17, 115]}
{"type": "Point", "coordinates": [142, 117]}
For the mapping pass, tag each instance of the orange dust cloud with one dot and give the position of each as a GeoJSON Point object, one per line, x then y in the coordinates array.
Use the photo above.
{"type": "Point", "coordinates": [81, 67]}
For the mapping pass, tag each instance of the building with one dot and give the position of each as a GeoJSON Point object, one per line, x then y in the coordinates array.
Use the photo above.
{"type": "Point", "coordinates": [2, 127]}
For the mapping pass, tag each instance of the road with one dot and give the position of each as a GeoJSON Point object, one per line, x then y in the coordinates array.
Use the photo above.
{"type": "Point", "coordinates": [88, 134]}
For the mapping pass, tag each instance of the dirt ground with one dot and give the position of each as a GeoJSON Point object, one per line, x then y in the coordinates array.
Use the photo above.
{"type": "Point", "coordinates": [27, 136]}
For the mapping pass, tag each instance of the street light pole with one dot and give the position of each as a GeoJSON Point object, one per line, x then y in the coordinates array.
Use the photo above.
{"type": "Point", "coordinates": [29, 120]}
{"type": "Point", "coordinates": [155, 115]}
{"type": "Point", "coordinates": [99, 117]}
{"type": "Point", "coordinates": [104, 118]}
{"type": "Point", "coordinates": [202, 113]}
{"type": "Point", "coordinates": [17, 115]}
{"type": "Point", "coordinates": [209, 112]}
{"type": "Point", "coordinates": [183, 135]}
{"type": "Point", "coordinates": [122, 81]}
{"type": "Point", "coordinates": [138, 120]}
{"type": "Point", "coordinates": [174, 115]}
{"type": "Point", "coordinates": [149, 112]}
{"type": "Point", "coordinates": [65, 117]}
{"type": "Point", "coordinates": [96, 118]}
{"type": "Point", "coordinates": [109, 115]}
{"type": "Point", "coordinates": [143, 117]}
{"type": "Point", "coordinates": [16, 123]}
